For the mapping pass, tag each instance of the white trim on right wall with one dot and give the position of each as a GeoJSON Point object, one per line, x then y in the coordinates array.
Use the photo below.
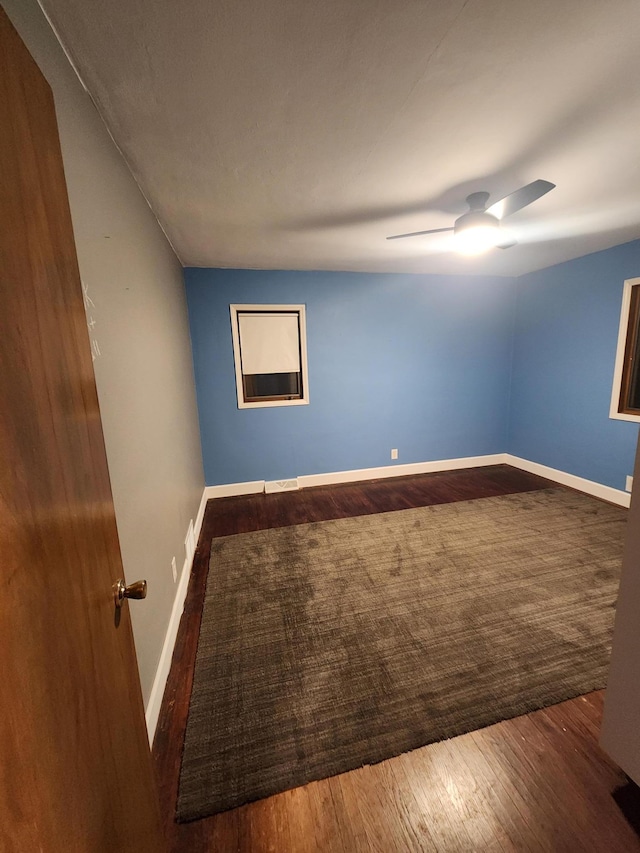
{"type": "Point", "coordinates": [622, 343]}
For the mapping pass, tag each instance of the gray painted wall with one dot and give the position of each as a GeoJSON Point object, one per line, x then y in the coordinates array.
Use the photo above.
{"type": "Point", "coordinates": [144, 372]}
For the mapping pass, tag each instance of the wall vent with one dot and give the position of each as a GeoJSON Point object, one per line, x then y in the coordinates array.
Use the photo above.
{"type": "Point", "coordinates": [280, 486]}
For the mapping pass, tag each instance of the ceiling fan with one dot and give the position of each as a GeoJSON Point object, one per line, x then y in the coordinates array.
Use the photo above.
{"type": "Point", "coordinates": [479, 228]}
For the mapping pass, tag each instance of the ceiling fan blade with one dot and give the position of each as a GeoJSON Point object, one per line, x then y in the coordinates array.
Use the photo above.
{"type": "Point", "coordinates": [520, 198]}
{"type": "Point", "coordinates": [419, 233]}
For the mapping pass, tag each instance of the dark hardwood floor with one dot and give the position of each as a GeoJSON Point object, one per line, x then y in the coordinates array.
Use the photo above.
{"type": "Point", "coordinates": [534, 783]}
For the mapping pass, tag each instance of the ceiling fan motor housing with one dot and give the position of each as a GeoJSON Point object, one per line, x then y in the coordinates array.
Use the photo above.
{"type": "Point", "coordinates": [478, 201]}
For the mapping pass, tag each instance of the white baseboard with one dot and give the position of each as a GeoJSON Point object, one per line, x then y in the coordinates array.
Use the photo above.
{"type": "Point", "coordinates": [164, 664]}
{"type": "Point", "coordinates": [607, 493]}
{"type": "Point", "coordinates": [590, 487]}
{"type": "Point", "coordinates": [404, 470]}
{"type": "Point", "coordinates": [197, 526]}
{"type": "Point", "coordinates": [254, 487]}
{"type": "Point", "coordinates": [231, 490]}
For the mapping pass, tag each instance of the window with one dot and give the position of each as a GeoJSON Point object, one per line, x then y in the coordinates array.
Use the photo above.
{"type": "Point", "coordinates": [270, 354]}
{"type": "Point", "coordinates": [625, 399]}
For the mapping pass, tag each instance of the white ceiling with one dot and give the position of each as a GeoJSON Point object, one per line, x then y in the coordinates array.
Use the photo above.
{"type": "Point", "coordinates": [296, 134]}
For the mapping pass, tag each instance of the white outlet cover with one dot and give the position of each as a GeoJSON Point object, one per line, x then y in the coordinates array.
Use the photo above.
{"type": "Point", "coordinates": [394, 453]}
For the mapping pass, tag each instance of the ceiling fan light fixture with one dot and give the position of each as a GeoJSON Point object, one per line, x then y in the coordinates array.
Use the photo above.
{"type": "Point", "coordinates": [475, 241]}
{"type": "Point", "coordinates": [475, 233]}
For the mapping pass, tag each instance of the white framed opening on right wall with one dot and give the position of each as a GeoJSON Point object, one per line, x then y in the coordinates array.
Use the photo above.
{"type": "Point", "coordinates": [625, 393]}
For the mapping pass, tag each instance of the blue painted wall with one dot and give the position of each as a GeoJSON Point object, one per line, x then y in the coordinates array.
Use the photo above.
{"type": "Point", "coordinates": [421, 363]}
{"type": "Point", "coordinates": [566, 332]}
{"type": "Point", "coordinates": [437, 366]}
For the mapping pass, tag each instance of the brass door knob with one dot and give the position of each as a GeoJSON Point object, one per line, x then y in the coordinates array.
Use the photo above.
{"type": "Point", "coordinates": [134, 590]}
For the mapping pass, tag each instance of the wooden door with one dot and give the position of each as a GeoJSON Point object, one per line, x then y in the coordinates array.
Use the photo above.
{"type": "Point", "coordinates": [75, 769]}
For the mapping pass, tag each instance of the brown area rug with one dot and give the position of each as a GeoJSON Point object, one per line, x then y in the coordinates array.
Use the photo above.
{"type": "Point", "coordinates": [331, 645]}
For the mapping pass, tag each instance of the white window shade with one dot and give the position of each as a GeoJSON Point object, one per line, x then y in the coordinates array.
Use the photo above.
{"type": "Point", "coordinates": [269, 343]}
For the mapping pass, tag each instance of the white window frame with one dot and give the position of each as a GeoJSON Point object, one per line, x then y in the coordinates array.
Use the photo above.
{"type": "Point", "coordinates": [235, 334]}
{"type": "Point", "coordinates": [629, 284]}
